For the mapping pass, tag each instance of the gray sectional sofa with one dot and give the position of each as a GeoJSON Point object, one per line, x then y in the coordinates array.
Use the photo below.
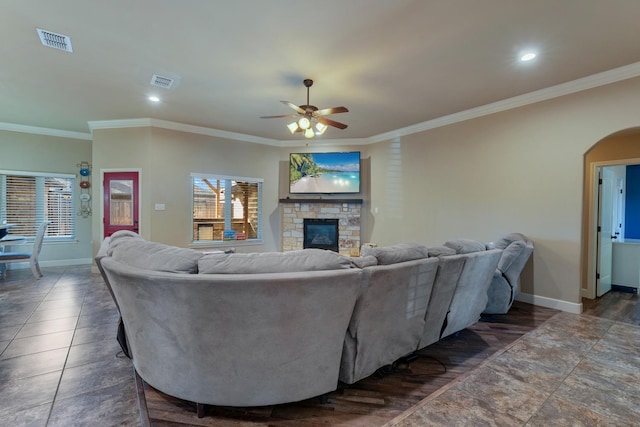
{"type": "Point", "coordinates": [470, 296]}
{"type": "Point", "coordinates": [267, 328]}
{"type": "Point", "coordinates": [389, 315]}
{"type": "Point", "coordinates": [505, 284]}
{"type": "Point", "coordinates": [238, 339]}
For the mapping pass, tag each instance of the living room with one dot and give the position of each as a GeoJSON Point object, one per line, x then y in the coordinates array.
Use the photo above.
{"type": "Point", "coordinates": [477, 170]}
{"type": "Point", "coordinates": [491, 175]}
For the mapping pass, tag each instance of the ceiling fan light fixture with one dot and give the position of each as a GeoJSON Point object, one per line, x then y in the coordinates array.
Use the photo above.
{"type": "Point", "coordinates": [293, 127]}
{"type": "Point", "coordinates": [320, 128]}
{"type": "Point", "coordinates": [310, 120]}
{"type": "Point", "coordinates": [304, 123]}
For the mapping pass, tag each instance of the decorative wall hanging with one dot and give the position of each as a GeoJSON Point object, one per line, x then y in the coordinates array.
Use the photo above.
{"type": "Point", "coordinates": [85, 185]}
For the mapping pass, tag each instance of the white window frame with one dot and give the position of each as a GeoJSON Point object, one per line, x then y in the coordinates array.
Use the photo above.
{"type": "Point", "coordinates": [228, 214]}
{"type": "Point", "coordinates": [40, 214]}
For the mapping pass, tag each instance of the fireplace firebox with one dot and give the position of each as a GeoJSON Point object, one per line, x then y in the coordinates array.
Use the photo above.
{"type": "Point", "coordinates": [320, 234]}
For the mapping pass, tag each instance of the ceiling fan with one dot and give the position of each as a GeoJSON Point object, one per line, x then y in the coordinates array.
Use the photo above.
{"type": "Point", "coordinates": [309, 117]}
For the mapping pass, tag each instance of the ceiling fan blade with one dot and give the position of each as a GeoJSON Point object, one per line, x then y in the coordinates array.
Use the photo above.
{"type": "Point", "coordinates": [281, 116]}
{"type": "Point", "coordinates": [333, 123]}
{"type": "Point", "coordinates": [294, 106]}
{"type": "Point", "coordinates": [327, 111]}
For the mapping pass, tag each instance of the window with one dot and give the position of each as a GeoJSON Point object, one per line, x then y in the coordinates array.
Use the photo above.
{"type": "Point", "coordinates": [29, 198]}
{"type": "Point", "coordinates": [226, 208]}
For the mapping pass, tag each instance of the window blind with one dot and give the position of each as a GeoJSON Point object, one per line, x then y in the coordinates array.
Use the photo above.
{"type": "Point", "coordinates": [30, 198]}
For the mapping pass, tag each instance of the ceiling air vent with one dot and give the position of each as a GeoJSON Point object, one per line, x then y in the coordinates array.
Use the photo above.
{"type": "Point", "coordinates": [55, 40]}
{"type": "Point", "coordinates": [164, 82]}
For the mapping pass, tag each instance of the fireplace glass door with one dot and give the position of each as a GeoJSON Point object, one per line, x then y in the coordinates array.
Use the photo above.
{"type": "Point", "coordinates": [321, 234]}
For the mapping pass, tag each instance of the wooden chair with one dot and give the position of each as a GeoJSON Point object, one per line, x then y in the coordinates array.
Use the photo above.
{"type": "Point", "coordinates": [32, 257]}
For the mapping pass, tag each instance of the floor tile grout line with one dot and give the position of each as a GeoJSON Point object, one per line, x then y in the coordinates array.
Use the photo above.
{"type": "Point", "coordinates": [26, 320]}
{"type": "Point", "coordinates": [581, 359]}
{"type": "Point", "coordinates": [64, 368]}
{"type": "Point", "coordinates": [45, 291]}
{"type": "Point", "coordinates": [35, 352]}
{"type": "Point", "coordinates": [66, 359]}
{"type": "Point", "coordinates": [44, 296]}
{"type": "Point", "coordinates": [586, 356]}
{"type": "Point", "coordinates": [44, 333]}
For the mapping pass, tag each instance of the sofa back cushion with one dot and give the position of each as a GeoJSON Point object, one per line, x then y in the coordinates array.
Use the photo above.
{"type": "Point", "coordinates": [141, 253]}
{"type": "Point", "coordinates": [273, 262]}
{"type": "Point", "coordinates": [505, 241]}
{"type": "Point", "coordinates": [119, 237]}
{"type": "Point", "coordinates": [435, 251]}
{"type": "Point", "coordinates": [394, 254]}
{"type": "Point", "coordinates": [510, 254]}
{"type": "Point", "coordinates": [364, 261]}
{"type": "Point", "coordinates": [465, 246]}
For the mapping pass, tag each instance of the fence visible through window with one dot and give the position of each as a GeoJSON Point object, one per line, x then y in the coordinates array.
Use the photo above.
{"type": "Point", "coordinates": [226, 208]}
{"type": "Point", "coordinates": [121, 202]}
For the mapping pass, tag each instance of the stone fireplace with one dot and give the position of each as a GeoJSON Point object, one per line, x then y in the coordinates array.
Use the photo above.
{"type": "Point", "coordinates": [346, 212]}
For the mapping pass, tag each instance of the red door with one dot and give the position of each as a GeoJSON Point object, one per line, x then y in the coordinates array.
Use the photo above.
{"type": "Point", "coordinates": [120, 202]}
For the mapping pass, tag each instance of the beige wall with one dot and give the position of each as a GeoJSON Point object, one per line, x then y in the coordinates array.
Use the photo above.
{"type": "Point", "coordinates": [42, 153]}
{"type": "Point", "coordinates": [119, 149]}
{"type": "Point", "coordinates": [166, 158]}
{"type": "Point", "coordinates": [519, 170]}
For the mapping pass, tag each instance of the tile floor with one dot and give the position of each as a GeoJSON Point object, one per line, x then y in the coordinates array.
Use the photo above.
{"type": "Point", "coordinates": [59, 362]}
{"type": "Point", "coordinates": [574, 370]}
{"type": "Point", "coordinates": [60, 365]}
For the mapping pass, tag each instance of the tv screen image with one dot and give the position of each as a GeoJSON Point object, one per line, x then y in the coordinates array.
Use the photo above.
{"type": "Point", "coordinates": [324, 173]}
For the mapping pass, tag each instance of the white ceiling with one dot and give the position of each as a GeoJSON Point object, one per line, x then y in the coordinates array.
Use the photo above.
{"type": "Point", "coordinates": [394, 64]}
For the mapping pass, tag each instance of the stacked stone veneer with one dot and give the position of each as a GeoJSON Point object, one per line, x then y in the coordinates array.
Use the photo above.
{"type": "Point", "coordinates": [348, 215]}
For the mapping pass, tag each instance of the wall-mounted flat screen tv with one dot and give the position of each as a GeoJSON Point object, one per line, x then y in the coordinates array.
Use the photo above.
{"type": "Point", "coordinates": [324, 173]}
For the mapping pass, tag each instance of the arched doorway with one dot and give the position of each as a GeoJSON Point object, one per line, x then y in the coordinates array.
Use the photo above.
{"type": "Point", "coordinates": [620, 148]}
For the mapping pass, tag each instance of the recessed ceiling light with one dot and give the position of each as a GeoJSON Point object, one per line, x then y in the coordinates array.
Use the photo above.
{"type": "Point", "coordinates": [153, 98]}
{"type": "Point", "coordinates": [527, 56]}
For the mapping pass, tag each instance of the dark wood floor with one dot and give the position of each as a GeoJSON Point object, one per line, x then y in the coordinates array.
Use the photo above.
{"type": "Point", "coordinates": [374, 400]}
{"type": "Point", "coordinates": [618, 306]}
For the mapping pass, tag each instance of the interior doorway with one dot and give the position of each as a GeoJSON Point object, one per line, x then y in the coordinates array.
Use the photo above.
{"type": "Point", "coordinates": [617, 150]}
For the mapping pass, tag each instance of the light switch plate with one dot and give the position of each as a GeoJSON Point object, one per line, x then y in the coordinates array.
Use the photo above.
{"type": "Point", "coordinates": [159, 206]}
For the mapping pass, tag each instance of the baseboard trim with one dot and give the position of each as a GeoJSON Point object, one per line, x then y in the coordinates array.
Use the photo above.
{"type": "Point", "coordinates": [622, 288]}
{"type": "Point", "coordinates": [65, 262]}
{"type": "Point", "coordinates": [53, 263]}
{"type": "Point", "coordinates": [557, 304]}
{"type": "Point", "coordinates": [587, 293]}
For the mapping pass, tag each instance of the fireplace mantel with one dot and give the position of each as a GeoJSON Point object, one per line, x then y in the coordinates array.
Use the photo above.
{"type": "Point", "coordinates": [289, 200]}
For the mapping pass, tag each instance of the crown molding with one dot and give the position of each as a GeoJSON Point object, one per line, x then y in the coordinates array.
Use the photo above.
{"type": "Point", "coordinates": [585, 83]}
{"type": "Point", "coordinates": [13, 127]}
{"type": "Point", "coordinates": [118, 124]}
{"type": "Point", "coordinates": [181, 127]}
{"type": "Point", "coordinates": [324, 142]}
{"type": "Point", "coordinates": [595, 80]}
